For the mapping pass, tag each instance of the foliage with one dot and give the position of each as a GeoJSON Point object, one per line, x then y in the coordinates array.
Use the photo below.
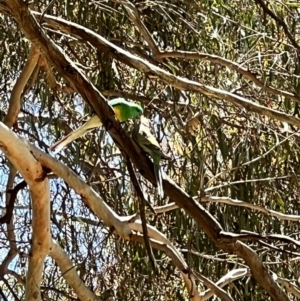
{"type": "Point", "coordinates": [247, 48]}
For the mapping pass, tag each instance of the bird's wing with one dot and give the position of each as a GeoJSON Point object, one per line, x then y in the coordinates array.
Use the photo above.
{"type": "Point", "coordinates": [82, 130]}
{"type": "Point", "coordinates": [144, 138]}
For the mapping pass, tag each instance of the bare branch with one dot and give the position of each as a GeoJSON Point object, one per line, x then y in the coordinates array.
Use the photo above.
{"type": "Point", "coordinates": [52, 81]}
{"type": "Point", "coordinates": [260, 272]}
{"type": "Point", "coordinates": [70, 274]}
{"type": "Point", "coordinates": [89, 196]}
{"type": "Point", "coordinates": [7, 217]}
{"type": "Point", "coordinates": [229, 201]}
{"type": "Point", "coordinates": [182, 266]}
{"type": "Point", "coordinates": [17, 276]}
{"type": "Point", "coordinates": [217, 290]}
{"type": "Point", "coordinates": [290, 287]}
{"type": "Point", "coordinates": [279, 22]}
{"type": "Point", "coordinates": [134, 16]}
{"type": "Point", "coordinates": [228, 278]}
{"type": "Point", "coordinates": [231, 65]}
{"type": "Point", "coordinates": [30, 168]}
{"type": "Point", "coordinates": [168, 78]}
{"type": "Point", "coordinates": [15, 100]}
{"type": "Point", "coordinates": [226, 200]}
{"type": "Point", "coordinates": [157, 236]}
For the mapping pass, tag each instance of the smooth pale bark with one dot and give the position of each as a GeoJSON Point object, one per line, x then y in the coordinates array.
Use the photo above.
{"type": "Point", "coordinates": [16, 94]}
{"type": "Point", "coordinates": [69, 272]}
{"type": "Point", "coordinates": [89, 195]}
{"type": "Point", "coordinates": [18, 153]}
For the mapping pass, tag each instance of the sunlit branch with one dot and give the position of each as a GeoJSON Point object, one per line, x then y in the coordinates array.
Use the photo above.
{"type": "Point", "coordinates": [168, 78]}
{"type": "Point", "coordinates": [89, 196]}
{"type": "Point", "coordinates": [231, 65]}
{"type": "Point", "coordinates": [232, 202]}
{"type": "Point", "coordinates": [30, 168]}
{"type": "Point", "coordinates": [213, 287]}
{"type": "Point", "coordinates": [15, 100]}
{"type": "Point", "coordinates": [69, 273]}
{"type": "Point", "coordinates": [134, 16]}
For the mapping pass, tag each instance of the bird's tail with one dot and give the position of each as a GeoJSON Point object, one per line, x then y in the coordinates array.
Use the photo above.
{"type": "Point", "coordinates": [159, 180]}
{"type": "Point", "coordinates": [87, 127]}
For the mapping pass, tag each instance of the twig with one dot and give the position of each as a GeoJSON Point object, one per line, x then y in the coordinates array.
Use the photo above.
{"type": "Point", "coordinates": [45, 10]}
{"type": "Point", "coordinates": [229, 201]}
{"type": "Point", "coordinates": [290, 287]}
{"type": "Point", "coordinates": [246, 181]}
{"type": "Point", "coordinates": [70, 274]}
{"type": "Point", "coordinates": [253, 160]}
{"type": "Point", "coordinates": [52, 81]}
{"type": "Point", "coordinates": [278, 249]}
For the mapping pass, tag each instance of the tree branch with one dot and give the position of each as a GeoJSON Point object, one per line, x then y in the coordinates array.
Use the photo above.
{"type": "Point", "coordinates": [151, 70]}
{"type": "Point", "coordinates": [231, 65]}
{"type": "Point", "coordinates": [260, 272]}
{"type": "Point", "coordinates": [181, 265]}
{"type": "Point", "coordinates": [89, 196]}
{"type": "Point", "coordinates": [15, 100]}
{"type": "Point", "coordinates": [216, 289]}
{"type": "Point", "coordinates": [70, 274]}
{"type": "Point", "coordinates": [30, 168]}
{"type": "Point", "coordinates": [134, 16]}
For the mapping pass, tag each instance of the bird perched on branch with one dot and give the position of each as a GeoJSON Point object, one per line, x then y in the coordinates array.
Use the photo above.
{"type": "Point", "coordinates": [143, 137]}
{"type": "Point", "coordinates": [123, 109]}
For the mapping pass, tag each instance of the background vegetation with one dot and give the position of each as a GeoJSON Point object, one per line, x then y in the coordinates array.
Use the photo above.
{"type": "Point", "coordinates": [228, 118]}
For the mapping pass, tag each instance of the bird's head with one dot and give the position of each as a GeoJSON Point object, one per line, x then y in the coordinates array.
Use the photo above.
{"type": "Point", "coordinates": [136, 110]}
{"type": "Point", "coordinates": [126, 110]}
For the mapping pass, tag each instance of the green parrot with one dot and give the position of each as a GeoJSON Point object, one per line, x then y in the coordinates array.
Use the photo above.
{"type": "Point", "coordinates": [143, 137]}
{"type": "Point", "coordinates": [123, 109]}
